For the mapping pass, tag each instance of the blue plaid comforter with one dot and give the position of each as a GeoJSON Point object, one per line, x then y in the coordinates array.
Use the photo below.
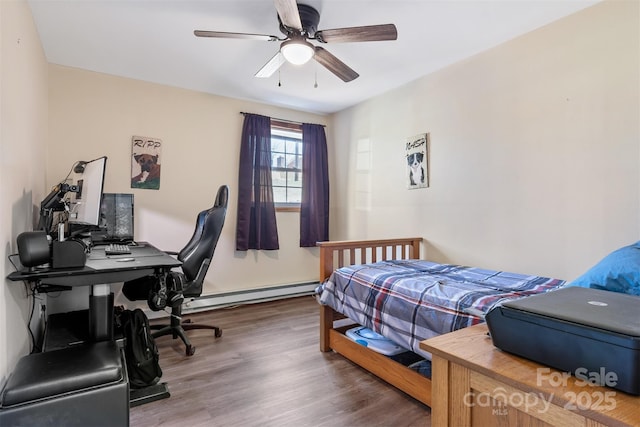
{"type": "Point", "coordinates": [409, 301]}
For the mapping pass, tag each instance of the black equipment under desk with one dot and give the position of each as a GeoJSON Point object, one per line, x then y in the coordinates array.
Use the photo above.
{"type": "Point", "coordinates": [99, 272]}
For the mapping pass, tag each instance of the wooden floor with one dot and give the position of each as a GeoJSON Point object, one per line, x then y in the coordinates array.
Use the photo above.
{"type": "Point", "coordinates": [267, 370]}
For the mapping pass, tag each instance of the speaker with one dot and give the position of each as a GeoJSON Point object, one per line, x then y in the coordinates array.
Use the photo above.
{"type": "Point", "coordinates": [68, 254]}
{"type": "Point", "coordinates": [33, 248]}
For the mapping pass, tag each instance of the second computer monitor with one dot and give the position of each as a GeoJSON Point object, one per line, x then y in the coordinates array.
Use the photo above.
{"type": "Point", "coordinates": [116, 216]}
{"type": "Point", "coordinates": [85, 200]}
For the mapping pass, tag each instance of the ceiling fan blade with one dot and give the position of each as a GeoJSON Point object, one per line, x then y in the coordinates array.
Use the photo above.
{"type": "Point", "coordinates": [288, 13]}
{"type": "Point", "coordinates": [272, 66]}
{"type": "Point", "coordinates": [333, 64]}
{"type": "Point", "coordinates": [369, 33]}
{"type": "Point", "coordinates": [223, 35]}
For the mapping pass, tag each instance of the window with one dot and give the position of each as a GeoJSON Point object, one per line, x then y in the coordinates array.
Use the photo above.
{"type": "Point", "coordinates": [286, 165]}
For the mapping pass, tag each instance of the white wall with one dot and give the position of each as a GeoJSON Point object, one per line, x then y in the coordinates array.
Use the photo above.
{"type": "Point", "coordinates": [23, 145]}
{"type": "Point", "coordinates": [93, 114]}
{"type": "Point", "coordinates": [534, 151]}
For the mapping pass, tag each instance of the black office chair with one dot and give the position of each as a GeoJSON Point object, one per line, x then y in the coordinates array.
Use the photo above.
{"type": "Point", "coordinates": [162, 291]}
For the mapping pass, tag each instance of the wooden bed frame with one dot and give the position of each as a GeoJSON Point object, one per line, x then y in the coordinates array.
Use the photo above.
{"type": "Point", "coordinates": [353, 252]}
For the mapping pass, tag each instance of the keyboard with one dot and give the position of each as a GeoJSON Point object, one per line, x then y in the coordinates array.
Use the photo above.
{"type": "Point", "coordinates": [117, 249]}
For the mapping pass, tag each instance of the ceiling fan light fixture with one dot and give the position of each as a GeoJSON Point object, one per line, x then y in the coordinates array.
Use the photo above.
{"type": "Point", "coordinates": [297, 51]}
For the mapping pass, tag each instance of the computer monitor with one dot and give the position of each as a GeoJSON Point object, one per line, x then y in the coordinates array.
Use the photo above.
{"type": "Point", "coordinates": [116, 217]}
{"type": "Point", "coordinates": [85, 203]}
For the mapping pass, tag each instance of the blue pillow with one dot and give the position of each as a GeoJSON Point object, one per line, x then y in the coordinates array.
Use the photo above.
{"type": "Point", "coordinates": [618, 272]}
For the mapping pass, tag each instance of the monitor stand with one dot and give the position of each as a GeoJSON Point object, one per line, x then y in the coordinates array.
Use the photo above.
{"type": "Point", "coordinates": [78, 229]}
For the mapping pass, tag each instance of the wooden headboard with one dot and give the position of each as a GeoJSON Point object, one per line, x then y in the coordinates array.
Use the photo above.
{"type": "Point", "coordinates": [336, 254]}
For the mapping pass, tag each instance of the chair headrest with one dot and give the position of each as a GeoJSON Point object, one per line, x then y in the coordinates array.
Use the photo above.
{"type": "Point", "coordinates": [222, 198]}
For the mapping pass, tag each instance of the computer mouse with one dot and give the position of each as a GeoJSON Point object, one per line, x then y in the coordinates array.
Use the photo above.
{"type": "Point", "coordinates": [125, 259]}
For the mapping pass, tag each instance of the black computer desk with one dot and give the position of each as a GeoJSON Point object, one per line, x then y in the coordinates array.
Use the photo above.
{"type": "Point", "coordinates": [99, 272]}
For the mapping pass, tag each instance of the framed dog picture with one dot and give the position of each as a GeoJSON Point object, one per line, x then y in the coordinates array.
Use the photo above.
{"type": "Point", "coordinates": [417, 161]}
{"type": "Point", "coordinates": [145, 162]}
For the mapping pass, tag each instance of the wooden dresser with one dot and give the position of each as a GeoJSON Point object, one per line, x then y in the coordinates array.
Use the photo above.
{"type": "Point", "coordinates": [476, 384]}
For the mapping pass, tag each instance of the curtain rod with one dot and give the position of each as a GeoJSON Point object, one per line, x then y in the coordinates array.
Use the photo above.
{"type": "Point", "coordinates": [284, 120]}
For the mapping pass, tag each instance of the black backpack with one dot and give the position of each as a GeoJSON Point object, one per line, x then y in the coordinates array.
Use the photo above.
{"type": "Point", "coordinates": [140, 349]}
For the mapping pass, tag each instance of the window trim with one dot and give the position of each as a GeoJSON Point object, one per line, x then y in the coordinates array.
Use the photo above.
{"type": "Point", "coordinates": [284, 125]}
{"type": "Point", "coordinates": [288, 126]}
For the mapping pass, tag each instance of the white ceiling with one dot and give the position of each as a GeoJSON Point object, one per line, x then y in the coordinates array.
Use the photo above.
{"type": "Point", "coordinates": [153, 40]}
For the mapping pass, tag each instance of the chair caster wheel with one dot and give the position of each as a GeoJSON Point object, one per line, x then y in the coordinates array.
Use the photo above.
{"type": "Point", "coordinates": [218, 333]}
{"type": "Point", "coordinates": [191, 350]}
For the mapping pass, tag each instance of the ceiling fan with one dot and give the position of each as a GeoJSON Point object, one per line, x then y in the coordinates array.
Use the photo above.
{"type": "Point", "coordinates": [299, 23]}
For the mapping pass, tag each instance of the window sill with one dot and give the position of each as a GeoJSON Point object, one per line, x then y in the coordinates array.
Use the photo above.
{"type": "Point", "coordinates": [288, 209]}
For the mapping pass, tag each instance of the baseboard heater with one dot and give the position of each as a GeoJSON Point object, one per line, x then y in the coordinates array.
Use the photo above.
{"type": "Point", "coordinates": [250, 296]}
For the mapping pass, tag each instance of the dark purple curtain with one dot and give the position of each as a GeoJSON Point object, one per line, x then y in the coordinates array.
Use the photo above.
{"type": "Point", "coordinates": [256, 225]}
{"type": "Point", "coordinates": [314, 209]}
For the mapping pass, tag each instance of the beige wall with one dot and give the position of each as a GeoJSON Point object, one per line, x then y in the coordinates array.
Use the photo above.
{"type": "Point", "coordinates": [94, 114]}
{"type": "Point", "coordinates": [23, 139]}
{"type": "Point", "coordinates": [534, 156]}
{"type": "Point", "coordinates": [534, 151]}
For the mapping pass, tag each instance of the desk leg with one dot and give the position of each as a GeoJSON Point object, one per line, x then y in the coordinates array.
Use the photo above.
{"type": "Point", "coordinates": [101, 313]}
{"type": "Point", "coordinates": [439, 391]}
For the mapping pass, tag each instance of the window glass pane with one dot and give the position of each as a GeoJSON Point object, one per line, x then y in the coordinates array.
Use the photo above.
{"type": "Point", "coordinates": [293, 162]}
{"type": "Point", "coordinates": [294, 146]}
{"type": "Point", "coordinates": [294, 179]}
{"type": "Point", "coordinates": [294, 195]}
{"type": "Point", "coordinates": [279, 178]}
{"type": "Point", "coordinates": [277, 144]}
{"type": "Point", "coordinates": [279, 194]}
{"type": "Point", "coordinates": [278, 160]}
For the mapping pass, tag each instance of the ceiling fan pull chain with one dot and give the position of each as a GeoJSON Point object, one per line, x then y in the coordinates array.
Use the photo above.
{"type": "Point", "coordinates": [315, 85]}
{"type": "Point", "coordinates": [279, 83]}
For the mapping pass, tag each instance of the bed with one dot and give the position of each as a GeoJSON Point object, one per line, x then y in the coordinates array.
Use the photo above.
{"type": "Point", "coordinates": [385, 286]}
